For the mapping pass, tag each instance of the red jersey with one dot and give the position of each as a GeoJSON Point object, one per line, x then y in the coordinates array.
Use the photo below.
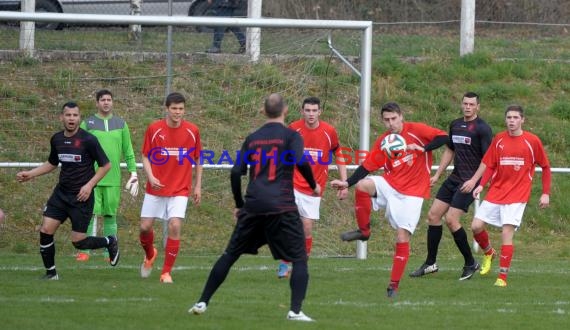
{"type": "Point", "coordinates": [319, 143]}
{"type": "Point", "coordinates": [172, 152]}
{"type": "Point", "coordinates": [512, 160]}
{"type": "Point", "coordinates": [410, 174]}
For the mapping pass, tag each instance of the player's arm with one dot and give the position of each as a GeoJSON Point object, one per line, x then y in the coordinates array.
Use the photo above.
{"type": "Point", "coordinates": [104, 165]}
{"type": "Point", "coordinates": [360, 173]}
{"type": "Point", "coordinates": [446, 159]}
{"type": "Point", "coordinates": [342, 193]}
{"type": "Point", "coordinates": [546, 176]}
{"type": "Point", "coordinates": [48, 166]}
{"type": "Point", "coordinates": [437, 142]}
{"type": "Point", "coordinates": [486, 138]}
{"type": "Point", "coordinates": [546, 182]}
{"type": "Point", "coordinates": [307, 173]}
{"type": "Point", "coordinates": [235, 180]}
{"type": "Point", "coordinates": [342, 171]}
{"type": "Point", "coordinates": [44, 168]}
{"type": "Point", "coordinates": [238, 170]}
{"type": "Point", "coordinates": [484, 173]}
{"type": "Point", "coordinates": [147, 167]}
{"type": "Point", "coordinates": [86, 190]}
{"type": "Point", "coordinates": [198, 183]}
{"type": "Point", "coordinates": [132, 185]}
{"type": "Point", "coordinates": [373, 162]}
{"type": "Point", "coordinates": [128, 151]}
{"type": "Point", "coordinates": [197, 194]}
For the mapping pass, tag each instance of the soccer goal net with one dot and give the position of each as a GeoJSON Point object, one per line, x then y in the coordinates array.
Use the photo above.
{"type": "Point", "coordinates": [224, 94]}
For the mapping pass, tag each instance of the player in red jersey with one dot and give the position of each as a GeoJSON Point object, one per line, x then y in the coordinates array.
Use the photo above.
{"type": "Point", "coordinates": [402, 187]}
{"type": "Point", "coordinates": [509, 165]}
{"type": "Point", "coordinates": [171, 146]}
{"type": "Point", "coordinates": [320, 143]}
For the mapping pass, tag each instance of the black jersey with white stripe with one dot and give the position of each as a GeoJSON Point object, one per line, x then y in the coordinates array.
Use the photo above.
{"type": "Point", "coordinates": [77, 155]}
{"type": "Point", "coordinates": [469, 140]}
{"type": "Point", "coordinates": [272, 152]}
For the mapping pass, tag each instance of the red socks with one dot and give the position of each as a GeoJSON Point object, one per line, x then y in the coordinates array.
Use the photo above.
{"type": "Point", "coordinates": [362, 210]}
{"type": "Point", "coordinates": [309, 245]}
{"type": "Point", "coordinates": [170, 253]}
{"type": "Point", "coordinates": [505, 261]}
{"type": "Point", "coordinates": [401, 256]}
{"type": "Point", "coordinates": [483, 240]}
{"type": "Point", "coordinates": [147, 240]}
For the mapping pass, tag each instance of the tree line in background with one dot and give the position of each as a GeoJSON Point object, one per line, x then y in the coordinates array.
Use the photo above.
{"type": "Point", "coordinates": [550, 11]}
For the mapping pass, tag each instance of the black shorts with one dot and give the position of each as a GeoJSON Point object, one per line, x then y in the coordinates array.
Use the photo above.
{"type": "Point", "coordinates": [450, 193]}
{"type": "Point", "coordinates": [62, 205]}
{"type": "Point", "coordinates": [282, 232]}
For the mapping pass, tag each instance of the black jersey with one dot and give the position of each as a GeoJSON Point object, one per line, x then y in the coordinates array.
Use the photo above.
{"type": "Point", "coordinates": [469, 140]}
{"type": "Point", "coordinates": [77, 155]}
{"type": "Point", "coordinates": [272, 152]}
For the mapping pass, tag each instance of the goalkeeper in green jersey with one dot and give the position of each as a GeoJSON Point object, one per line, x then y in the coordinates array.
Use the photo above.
{"type": "Point", "coordinates": [115, 138]}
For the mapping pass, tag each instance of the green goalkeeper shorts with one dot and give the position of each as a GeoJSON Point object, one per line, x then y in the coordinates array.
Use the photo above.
{"type": "Point", "coordinates": [107, 200]}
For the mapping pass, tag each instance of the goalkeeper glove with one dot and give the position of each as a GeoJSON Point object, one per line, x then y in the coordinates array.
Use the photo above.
{"type": "Point", "coordinates": [132, 185]}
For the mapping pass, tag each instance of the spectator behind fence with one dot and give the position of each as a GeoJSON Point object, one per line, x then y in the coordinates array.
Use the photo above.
{"type": "Point", "coordinates": [225, 8]}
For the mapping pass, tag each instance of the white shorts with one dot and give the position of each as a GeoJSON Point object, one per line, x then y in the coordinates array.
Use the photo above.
{"type": "Point", "coordinates": [402, 211]}
{"type": "Point", "coordinates": [161, 207]}
{"type": "Point", "coordinates": [501, 214]}
{"type": "Point", "coordinates": [308, 206]}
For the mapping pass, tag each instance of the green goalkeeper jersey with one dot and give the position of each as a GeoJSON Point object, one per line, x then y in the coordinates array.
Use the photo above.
{"type": "Point", "coordinates": [115, 138]}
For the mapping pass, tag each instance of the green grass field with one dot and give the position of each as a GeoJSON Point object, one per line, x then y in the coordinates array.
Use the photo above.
{"type": "Point", "coordinates": [343, 293]}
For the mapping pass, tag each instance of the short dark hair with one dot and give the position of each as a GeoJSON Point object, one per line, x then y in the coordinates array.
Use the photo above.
{"type": "Point", "coordinates": [69, 104]}
{"type": "Point", "coordinates": [515, 107]}
{"type": "Point", "coordinates": [311, 100]}
{"type": "Point", "coordinates": [102, 92]}
{"type": "Point", "coordinates": [174, 98]}
{"type": "Point", "coordinates": [391, 107]}
{"type": "Point", "coordinates": [274, 105]}
{"type": "Point", "coordinates": [471, 95]}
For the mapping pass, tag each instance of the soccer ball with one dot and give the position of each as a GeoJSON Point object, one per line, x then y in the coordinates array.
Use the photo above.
{"type": "Point", "coordinates": [393, 146]}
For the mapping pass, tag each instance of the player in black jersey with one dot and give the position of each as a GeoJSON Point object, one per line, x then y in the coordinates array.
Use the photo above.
{"type": "Point", "coordinates": [269, 214]}
{"type": "Point", "coordinates": [469, 139]}
{"type": "Point", "coordinates": [76, 151]}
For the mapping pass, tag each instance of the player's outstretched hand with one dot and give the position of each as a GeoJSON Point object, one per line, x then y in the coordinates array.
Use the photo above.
{"type": "Point", "coordinates": [338, 184]}
{"type": "Point", "coordinates": [23, 176]}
